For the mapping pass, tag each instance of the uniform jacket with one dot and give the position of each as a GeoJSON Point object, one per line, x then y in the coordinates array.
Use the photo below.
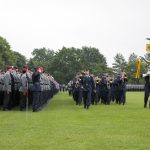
{"type": "Point", "coordinates": [23, 83]}
{"type": "Point", "coordinates": [88, 83]}
{"type": "Point", "coordinates": [7, 82]}
{"type": "Point", "coordinates": [36, 79]}
{"type": "Point", "coordinates": [1, 82]}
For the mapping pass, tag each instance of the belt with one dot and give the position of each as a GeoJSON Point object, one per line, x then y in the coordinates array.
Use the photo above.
{"type": "Point", "coordinates": [17, 82]}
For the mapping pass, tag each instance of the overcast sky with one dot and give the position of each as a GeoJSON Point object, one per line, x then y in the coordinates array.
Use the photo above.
{"type": "Point", "coordinates": [112, 26]}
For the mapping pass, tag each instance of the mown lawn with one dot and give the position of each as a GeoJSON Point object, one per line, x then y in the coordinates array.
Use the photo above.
{"type": "Point", "coordinates": [64, 126]}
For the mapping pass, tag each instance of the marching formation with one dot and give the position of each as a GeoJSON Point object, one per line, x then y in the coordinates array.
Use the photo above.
{"type": "Point", "coordinates": [26, 88]}
{"type": "Point", "coordinates": [92, 90]}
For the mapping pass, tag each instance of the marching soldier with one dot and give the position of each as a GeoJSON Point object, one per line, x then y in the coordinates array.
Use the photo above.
{"type": "Point", "coordinates": [93, 91]}
{"type": "Point", "coordinates": [104, 91]}
{"type": "Point", "coordinates": [112, 90]}
{"type": "Point", "coordinates": [76, 90]}
{"type": "Point", "coordinates": [88, 87]}
{"type": "Point", "coordinates": [80, 89]}
{"type": "Point", "coordinates": [147, 87]}
{"type": "Point", "coordinates": [123, 94]}
{"type": "Point", "coordinates": [97, 93]}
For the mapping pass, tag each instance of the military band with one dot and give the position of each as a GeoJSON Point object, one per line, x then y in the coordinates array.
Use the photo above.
{"type": "Point", "coordinates": [93, 89]}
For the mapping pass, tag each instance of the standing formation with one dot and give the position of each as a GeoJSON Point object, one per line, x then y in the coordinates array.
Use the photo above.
{"type": "Point", "coordinates": [26, 88]}
{"type": "Point", "coordinates": [89, 89]}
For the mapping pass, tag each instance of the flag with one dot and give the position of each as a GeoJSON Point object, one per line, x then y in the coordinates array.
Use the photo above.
{"type": "Point", "coordinates": [148, 47]}
{"type": "Point", "coordinates": [138, 68]}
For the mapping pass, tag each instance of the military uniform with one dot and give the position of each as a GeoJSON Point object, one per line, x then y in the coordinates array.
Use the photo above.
{"type": "Point", "coordinates": [36, 90]}
{"type": "Point", "coordinates": [123, 94]}
{"type": "Point", "coordinates": [15, 89]}
{"type": "Point", "coordinates": [88, 87]}
{"type": "Point", "coordinates": [97, 94]}
{"type": "Point", "coordinates": [80, 91]}
{"type": "Point", "coordinates": [146, 89]}
{"type": "Point", "coordinates": [112, 87]}
{"type": "Point", "coordinates": [30, 84]}
{"type": "Point", "coordinates": [7, 88]}
{"type": "Point", "coordinates": [1, 88]}
{"type": "Point", "coordinates": [76, 91]}
{"type": "Point", "coordinates": [118, 89]}
{"type": "Point", "coordinates": [23, 91]}
{"type": "Point", "coordinates": [104, 91]}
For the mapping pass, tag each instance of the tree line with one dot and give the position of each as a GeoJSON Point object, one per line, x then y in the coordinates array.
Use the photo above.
{"type": "Point", "coordinates": [66, 62]}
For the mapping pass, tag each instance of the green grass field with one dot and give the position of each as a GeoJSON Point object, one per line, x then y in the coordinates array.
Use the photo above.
{"type": "Point", "coordinates": [64, 126]}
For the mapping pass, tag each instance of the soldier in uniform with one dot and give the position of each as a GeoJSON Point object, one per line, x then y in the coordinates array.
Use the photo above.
{"type": "Point", "coordinates": [123, 94]}
{"type": "Point", "coordinates": [112, 90]}
{"type": "Point", "coordinates": [96, 97]}
{"type": "Point", "coordinates": [7, 88]}
{"type": "Point", "coordinates": [109, 90]}
{"type": "Point", "coordinates": [80, 89]}
{"type": "Point", "coordinates": [42, 87]}
{"type": "Point", "coordinates": [118, 88]}
{"type": "Point", "coordinates": [15, 90]}
{"type": "Point", "coordinates": [93, 94]}
{"type": "Point", "coordinates": [36, 89]}
{"type": "Point", "coordinates": [104, 91]}
{"type": "Point", "coordinates": [23, 89]}
{"type": "Point", "coordinates": [147, 87]}
{"type": "Point", "coordinates": [88, 86]}
{"type": "Point", "coordinates": [76, 89]}
{"type": "Point", "coordinates": [30, 84]}
{"type": "Point", "coordinates": [1, 87]}
{"type": "Point", "coordinates": [48, 86]}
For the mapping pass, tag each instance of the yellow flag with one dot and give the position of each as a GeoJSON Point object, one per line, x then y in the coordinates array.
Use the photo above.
{"type": "Point", "coordinates": [138, 68]}
{"type": "Point", "coordinates": [148, 47]}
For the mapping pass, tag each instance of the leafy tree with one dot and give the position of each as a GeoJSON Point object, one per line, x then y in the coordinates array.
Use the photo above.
{"type": "Point", "coordinates": [68, 61]}
{"type": "Point", "coordinates": [65, 64]}
{"type": "Point", "coordinates": [9, 57]}
{"type": "Point", "coordinates": [119, 64]}
{"type": "Point", "coordinates": [90, 57]}
{"type": "Point", "coordinates": [132, 68]}
{"type": "Point", "coordinates": [42, 54]}
{"type": "Point", "coordinates": [132, 58]}
{"type": "Point", "coordinates": [5, 53]}
{"type": "Point", "coordinates": [20, 60]}
{"type": "Point", "coordinates": [41, 57]}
